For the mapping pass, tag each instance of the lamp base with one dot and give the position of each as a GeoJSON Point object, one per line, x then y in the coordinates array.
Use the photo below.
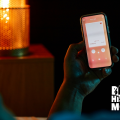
{"type": "Point", "coordinates": [15, 53]}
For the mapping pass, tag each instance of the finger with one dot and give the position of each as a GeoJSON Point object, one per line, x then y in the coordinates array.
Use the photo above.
{"type": "Point", "coordinates": [114, 50]}
{"type": "Point", "coordinates": [115, 58]}
{"type": "Point", "coordinates": [103, 73]}
{"type": "Point", "coordinates": [106, 72]}
{"type": "Point", "coordinates": [74, 49]}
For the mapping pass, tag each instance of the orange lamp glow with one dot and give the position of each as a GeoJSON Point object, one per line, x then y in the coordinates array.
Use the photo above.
{"type": "Point", "coordinates": [14, 28]}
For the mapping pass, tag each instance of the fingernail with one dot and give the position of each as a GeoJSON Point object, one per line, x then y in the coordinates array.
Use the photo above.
{"type": "Point", "coordinates": [107, 70]}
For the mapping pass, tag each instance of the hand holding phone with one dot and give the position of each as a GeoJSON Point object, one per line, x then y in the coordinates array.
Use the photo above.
{"type": "Point", "coordinates": [77, 73]}
{"type": "Point", "coordinates": [96, 35]}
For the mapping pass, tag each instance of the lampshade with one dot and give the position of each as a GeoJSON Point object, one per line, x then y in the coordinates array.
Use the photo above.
{"type": "Point", "coordinates": [14, 28]}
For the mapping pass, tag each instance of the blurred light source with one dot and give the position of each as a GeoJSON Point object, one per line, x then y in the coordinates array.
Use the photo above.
{"type": "Point", "coordinates": [14, 28]}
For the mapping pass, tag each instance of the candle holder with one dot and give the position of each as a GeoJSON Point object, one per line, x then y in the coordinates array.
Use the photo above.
{"type": "Point", "coordinates": [14, 28]}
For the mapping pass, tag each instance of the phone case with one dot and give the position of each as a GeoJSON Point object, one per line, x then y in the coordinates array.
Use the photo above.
{"type": "Point", "coordinates": [108, 32]}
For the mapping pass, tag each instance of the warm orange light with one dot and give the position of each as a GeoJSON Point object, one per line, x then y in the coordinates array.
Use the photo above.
{"type": "Point", "coordinates": [14, 24]}
{"type": "Point", "coordinates": [4, 3]}
{"type": "Point", "coordinates": [12, 3]}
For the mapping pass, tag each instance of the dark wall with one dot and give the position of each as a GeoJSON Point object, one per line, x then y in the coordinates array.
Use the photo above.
{"type": "Point", "coordinates": [56, 25]}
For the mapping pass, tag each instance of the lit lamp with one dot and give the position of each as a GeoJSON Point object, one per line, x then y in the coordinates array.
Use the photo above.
{"type": "Point", "coordinates": [14, 28]}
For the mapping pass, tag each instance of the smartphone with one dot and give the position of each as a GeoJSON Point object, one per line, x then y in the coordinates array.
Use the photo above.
{"type": "Point", "coordinates": [96, 35]}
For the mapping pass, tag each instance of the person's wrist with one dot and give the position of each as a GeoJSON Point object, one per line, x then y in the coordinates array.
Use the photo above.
{"type": "Point", "coordinates": [73, 87]}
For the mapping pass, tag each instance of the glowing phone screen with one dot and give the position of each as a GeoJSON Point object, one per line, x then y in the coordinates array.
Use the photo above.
{"type": "Point", "coordinates": [96, 40]}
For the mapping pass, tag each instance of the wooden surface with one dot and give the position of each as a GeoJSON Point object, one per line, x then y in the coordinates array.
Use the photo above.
{"type": "Point", "coordinates": [27, 83]}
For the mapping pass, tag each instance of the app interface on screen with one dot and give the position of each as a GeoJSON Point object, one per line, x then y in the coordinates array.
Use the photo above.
{"type": "Point", "coordinates": [95, 34]}
{"type": "Point", "coordinates": [96, 39]}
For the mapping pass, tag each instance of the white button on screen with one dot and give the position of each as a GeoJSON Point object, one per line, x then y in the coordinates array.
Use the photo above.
{"type": "Point", "coordinates": [103, 50]}
{"type": "Point", "coordinates": [93, 51]}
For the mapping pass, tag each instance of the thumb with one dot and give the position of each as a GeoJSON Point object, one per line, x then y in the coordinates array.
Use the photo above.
{"type": "Point", "coordinates": [74, 49]}
{"type": "Point", "coordinates": [106, 72]}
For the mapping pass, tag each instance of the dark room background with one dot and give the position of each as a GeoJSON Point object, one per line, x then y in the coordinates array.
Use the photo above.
{"type": "Point", "coordinates": [56, 25]}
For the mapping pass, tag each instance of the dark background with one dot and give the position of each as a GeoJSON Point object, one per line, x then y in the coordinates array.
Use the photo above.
{"type": "Point", "coordinates": [56, 25]}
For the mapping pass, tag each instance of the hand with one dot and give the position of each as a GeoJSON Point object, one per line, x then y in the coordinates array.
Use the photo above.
{"type": "Point", "coordinates": [78, 74]}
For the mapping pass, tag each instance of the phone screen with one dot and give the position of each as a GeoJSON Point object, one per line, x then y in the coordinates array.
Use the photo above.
{"type": "Point", "coordinates": [96, 40]}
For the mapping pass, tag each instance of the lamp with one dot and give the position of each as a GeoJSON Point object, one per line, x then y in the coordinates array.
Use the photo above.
{"type": "Point", "coordinates": [14, 28]}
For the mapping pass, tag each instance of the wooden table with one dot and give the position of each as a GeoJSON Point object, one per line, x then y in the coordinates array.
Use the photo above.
{"type": "Point", "coordinates": [27, 83]}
